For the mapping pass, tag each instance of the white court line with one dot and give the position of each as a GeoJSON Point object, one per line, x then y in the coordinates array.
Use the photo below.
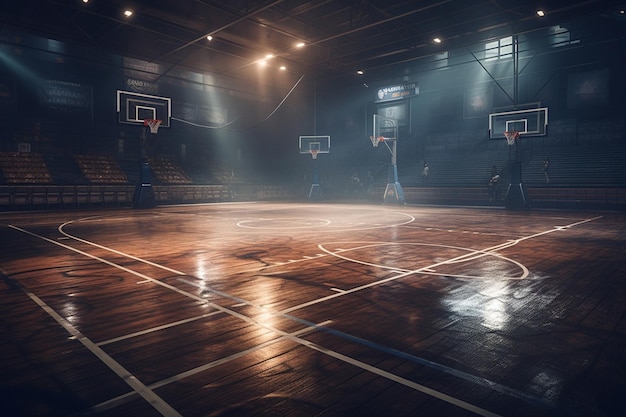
{"type": "Point", "coordinates": [157, 328]}
{"type": "Point", "coordinates": [394, 352]}
{"type": "Point", "coordinates": [476, 253]}
{"type": "Point", "coordinates": [490, 251]}
{"type": "Point", "coordinates": [424, 270]}
{"type": "Point", "coordinates": [114, 402]}
{"type": "Point", "coordinates": [395, 378]}
{"type": "Point", "coordinates": [146, 393]}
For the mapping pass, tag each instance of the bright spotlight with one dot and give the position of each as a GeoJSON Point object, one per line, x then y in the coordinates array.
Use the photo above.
{"type": "Point", "coordinates": [541, 13]}
{"type": "Point", "coordinates": [128, 13]}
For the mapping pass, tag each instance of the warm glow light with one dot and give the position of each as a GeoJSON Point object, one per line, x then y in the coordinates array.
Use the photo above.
{"type": "Point", "coordinates": [300, 45]}
{"type": "Point", "coordinates": [437, 40]}
{"type": "Point", "coordinates": [85, 1]}
{"type": "Point", "coordinates": [262, 62]}
{"type": "Point", "coordinates": [269, 56]}
{"type": "Point", "coordinates": [209, 38]}
{"type": "Point", "coordinates": [541, 13]}
{"type": "Point", "coordinates": [283, 68]}
{"type": "Point", "coordinates": [128, 13]}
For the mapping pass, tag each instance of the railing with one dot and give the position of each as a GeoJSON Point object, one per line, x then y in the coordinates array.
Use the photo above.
{"type": "Point", "coordinates": [601, 198]}
{"type": "Point", "coordinates": [40, 197]}
{"type": "Point", "coordinates": [29, 197]}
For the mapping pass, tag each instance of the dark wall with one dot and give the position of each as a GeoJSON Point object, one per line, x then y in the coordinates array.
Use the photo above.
{"type": "Point", "coordinates": [574, 69]}
{"type": "Point", "coordinates": [61, 98]}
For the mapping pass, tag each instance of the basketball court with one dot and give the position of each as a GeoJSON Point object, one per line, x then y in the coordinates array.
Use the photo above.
{"type": "Point", "coordinates": [313, 309]}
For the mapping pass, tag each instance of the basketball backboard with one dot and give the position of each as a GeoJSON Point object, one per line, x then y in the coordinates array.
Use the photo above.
{"type": "Point", "coordinates": [314, 144]}
{"type": "Point", "coordinates": [530, 122]}
{"type": "Point", "coordinates": [134, 108]}
{"type": "Point", "coordinates": [385, 127]}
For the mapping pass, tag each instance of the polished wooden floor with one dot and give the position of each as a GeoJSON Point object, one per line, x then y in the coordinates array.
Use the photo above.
{"type": "Point", "coordinates": [272, 309]}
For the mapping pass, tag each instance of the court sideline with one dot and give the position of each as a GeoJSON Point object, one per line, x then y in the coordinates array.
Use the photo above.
{"type": "Point", "coordinates": [313, 309]}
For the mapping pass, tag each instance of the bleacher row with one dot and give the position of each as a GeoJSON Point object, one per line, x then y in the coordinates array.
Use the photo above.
{"type": "Point", "coordinates": [24, 168]}
{"type": "Point", "coordinates": [31, 168]}
{"type": "Point", "coordinates": [98, 169]}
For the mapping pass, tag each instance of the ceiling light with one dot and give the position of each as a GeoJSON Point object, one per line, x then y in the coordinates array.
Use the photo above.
{"type": "Point", "coordinates": [283, 68]}
{"type": "Point", "coordinates": [437, 40]}
{"type": "Point", "coordinates": [300, 45]}
{"type": "Point", "coordinates": [209, 38]}
{"type": "Point", "coordinates": [262, 62]}
{"type": "Point", "coordinates": [85, 1]}
{"type": "Point", "coordinates": [269, 56]}
{"type": "Point", "coordinates": [541, 13]}
{"type": "Point", "coordinates": [360, 72]}
{"type": "Point", "coordinates": [128, 13]}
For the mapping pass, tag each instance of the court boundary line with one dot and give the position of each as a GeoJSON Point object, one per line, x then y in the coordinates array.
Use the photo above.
{"type": "Point", "coordinates": [473, 254]}
{"type": "Point", "coordinates": [344, 358]}
{"type": "Point", "coordinates": [126, 376]}
{"type": "Point", "coordinates": [122, 399]}
{"type": "Point", "coordinates": [484, 382]}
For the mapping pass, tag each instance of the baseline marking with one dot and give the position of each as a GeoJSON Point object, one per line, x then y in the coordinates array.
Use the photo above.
{"type": "Point", "coordinates": [346, 359]}
{"type": "Point", "coordinates": [298, 340]}
{"type": "Point", "coordinates": [415, 359]}
{"type": "Point", "coordinates": [139, 387]}
{"type": "Point", "coordinates": [119, 400]}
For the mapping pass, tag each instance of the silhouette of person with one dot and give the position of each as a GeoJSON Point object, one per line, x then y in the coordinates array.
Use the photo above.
{"type": "Point", "coordinates": [425, 171]}
{"type": "Point", "coordinates": [546, 169]}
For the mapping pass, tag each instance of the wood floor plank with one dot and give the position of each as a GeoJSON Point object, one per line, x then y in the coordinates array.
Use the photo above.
{"type": "Point", "coordinates": [278, 309]}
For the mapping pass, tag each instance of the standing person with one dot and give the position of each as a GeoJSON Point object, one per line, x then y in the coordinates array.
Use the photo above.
{"type": "Point", "coordinates": [494, 171]}
{"type": "Point", "coordinates": [546, 169]}
{"type": "Point", "coordinates": [425, 171]}
{"type": "Point", "coordinates": [494, 187]}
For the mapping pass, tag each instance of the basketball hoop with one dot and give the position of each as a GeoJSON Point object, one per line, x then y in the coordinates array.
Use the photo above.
{"type": "Point", "coordinates": [153, 124]}
{"type": "Point", "coordinates": [511, 137]}
{"type": "Point", "coordinates": [376, 140]}
{"type": "Point", "coordinates": [314, 153]}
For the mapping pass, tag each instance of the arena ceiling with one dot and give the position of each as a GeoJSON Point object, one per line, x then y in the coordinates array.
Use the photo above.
{"type": "Point", "coordinates": [339, 37]}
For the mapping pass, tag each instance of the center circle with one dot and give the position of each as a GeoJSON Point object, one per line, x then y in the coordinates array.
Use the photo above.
{"type": "Point", "coordinates": [283, 223]}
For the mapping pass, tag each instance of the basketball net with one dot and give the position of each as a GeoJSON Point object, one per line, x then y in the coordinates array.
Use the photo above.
{"type": "Point", "coordinates": [153, 124]}
{"type": "Point", "coordinates": [511, 137]}
{"type": "Point", "coordinates": [314, 153]}
{"type": "Point", "coordinates": [376, 140]}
